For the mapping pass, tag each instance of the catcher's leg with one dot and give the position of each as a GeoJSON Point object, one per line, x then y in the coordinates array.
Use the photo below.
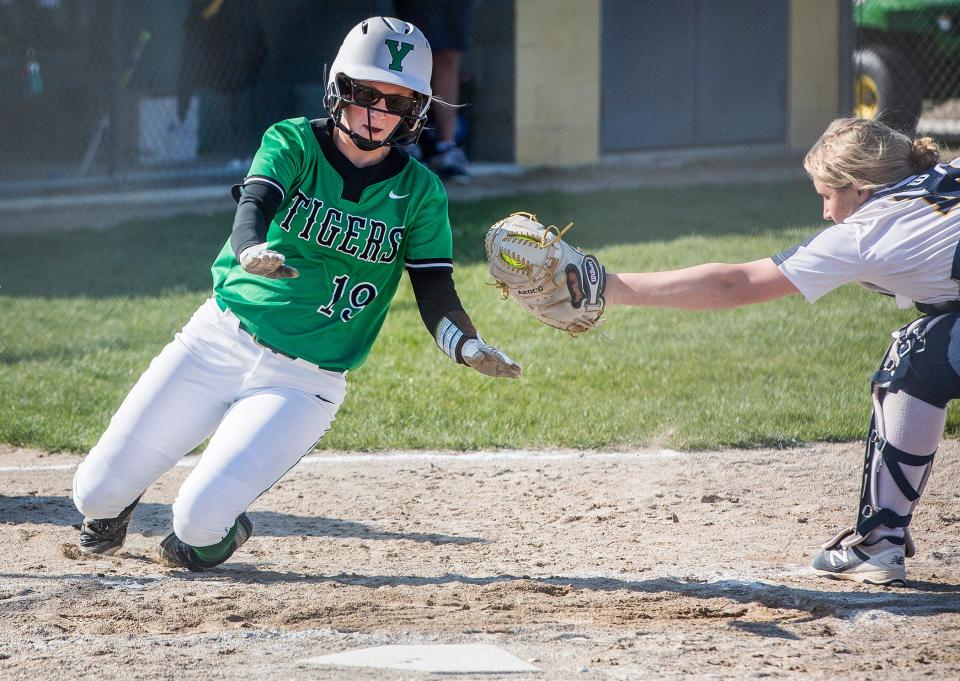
{"type": "Point", "coordinates": [173, 407]}
{"type": "Point", "coordinates": [894, 476]}
{"type": "Point", "coordinates": [904, 434]}
{"type": "Point", "coordinates": [262, 436]}
{"type": "Point", "coordinates": [912, 429]}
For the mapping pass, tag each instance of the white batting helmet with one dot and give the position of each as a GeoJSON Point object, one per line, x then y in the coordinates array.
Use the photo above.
{"type": "Point", "coordinates": [386, 50]}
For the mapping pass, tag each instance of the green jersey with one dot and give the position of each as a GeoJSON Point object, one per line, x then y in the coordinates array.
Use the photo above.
{"type": "Point", "coordinates": [348, 231]}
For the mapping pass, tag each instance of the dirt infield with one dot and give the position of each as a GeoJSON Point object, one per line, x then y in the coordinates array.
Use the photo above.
{"type": "Point", "coordinates": [629, 565]}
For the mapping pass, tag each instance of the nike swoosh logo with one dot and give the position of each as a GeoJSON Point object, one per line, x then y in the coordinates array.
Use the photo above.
{"type": "Point", "coordinates": [397, 196]}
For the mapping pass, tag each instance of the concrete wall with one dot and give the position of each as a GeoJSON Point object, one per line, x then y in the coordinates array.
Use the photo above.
{"type": "Point", "coordinates": [558, 79]}
{"type": "Point", "coordinates": [558, 56]}
{"type": "Point", "coordinates": [814, 97]}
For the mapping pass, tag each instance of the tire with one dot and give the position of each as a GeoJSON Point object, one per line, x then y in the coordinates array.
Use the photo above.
{"type": "Point", "coordinates": [886, 87]}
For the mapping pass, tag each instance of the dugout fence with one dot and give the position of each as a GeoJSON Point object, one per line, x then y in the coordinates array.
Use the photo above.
{"type": "Point", "coordinates": [107, 94]}
{"type": "Point", "coordinates": [907, 64]}
{"type": "Point", "coordinates": [117, 94]}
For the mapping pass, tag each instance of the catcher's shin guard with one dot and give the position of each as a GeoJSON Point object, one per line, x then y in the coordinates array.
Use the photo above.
{"type": "Point", "coordinates": [872, 514]}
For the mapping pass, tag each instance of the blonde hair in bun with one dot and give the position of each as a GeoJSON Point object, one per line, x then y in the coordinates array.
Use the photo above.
{"type": "Point", "coordinates": [924, 153]}
{"type": "Point", "coordinates": [868, 154]}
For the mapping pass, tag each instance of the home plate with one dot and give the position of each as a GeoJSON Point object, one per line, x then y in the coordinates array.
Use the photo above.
{"type": "Point", "coordinates": [447, 659]}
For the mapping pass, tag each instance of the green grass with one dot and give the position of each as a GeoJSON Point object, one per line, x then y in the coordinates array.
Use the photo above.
{"type": "Point", "coordinates": [82, 314]}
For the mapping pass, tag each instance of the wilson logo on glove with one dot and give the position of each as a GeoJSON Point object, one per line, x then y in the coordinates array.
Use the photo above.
{"type": "Point", "coordinates": [592, 269]}
{"type": "Point", "coordinates": [551, 279]}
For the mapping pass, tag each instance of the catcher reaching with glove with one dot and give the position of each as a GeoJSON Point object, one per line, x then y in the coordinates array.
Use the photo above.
{"type": "Point", "coordinates": [897, 226]}
{"type": "Point", "coordinates": [551, 279]}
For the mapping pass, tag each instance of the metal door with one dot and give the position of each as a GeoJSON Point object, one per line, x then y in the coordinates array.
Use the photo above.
{"type": "Point", "coordinates": [692, 73]}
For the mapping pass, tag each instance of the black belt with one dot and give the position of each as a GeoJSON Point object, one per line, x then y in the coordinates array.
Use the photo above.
{"type": "Point", "coordinates": [256, 339]}
{"type": "Point", "coordinates": [266, 346]}
{"type": "Point", "coordinates": [259, 341]}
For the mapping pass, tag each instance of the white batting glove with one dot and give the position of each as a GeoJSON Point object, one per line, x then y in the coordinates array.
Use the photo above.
{"type": "Point", "coordinates": [258, 259]}
{"type": "Point", "coordinates": [488, 360]}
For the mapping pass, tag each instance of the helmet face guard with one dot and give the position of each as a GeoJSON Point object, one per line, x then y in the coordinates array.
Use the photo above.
{"type": "Point", "coordinates": [412, 112]}
{"type": "Point", "coordinates": [382, 50]}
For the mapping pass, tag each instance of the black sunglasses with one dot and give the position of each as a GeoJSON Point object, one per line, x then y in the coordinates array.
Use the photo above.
{"type": "Point", "coordinates": [364, 95]}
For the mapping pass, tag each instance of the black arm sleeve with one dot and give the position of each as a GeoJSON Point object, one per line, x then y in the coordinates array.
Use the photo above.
{"type": "Point", "coordinates": [437, 298]}
{"type": "Point", "coordinates": [256, 206]}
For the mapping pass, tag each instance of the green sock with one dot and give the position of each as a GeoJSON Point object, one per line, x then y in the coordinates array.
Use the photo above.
{"type": "Point", "coordinates": [219, 552]}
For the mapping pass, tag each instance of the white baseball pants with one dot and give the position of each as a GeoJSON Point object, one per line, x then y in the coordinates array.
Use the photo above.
{"type": "Point", "coordinates": [262, 412]}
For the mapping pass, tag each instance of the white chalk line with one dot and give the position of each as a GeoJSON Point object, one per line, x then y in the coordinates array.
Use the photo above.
{"type": "Point", "coordinates": [422, 457]}
{"type": "Point", "coordinates": [52, 467]}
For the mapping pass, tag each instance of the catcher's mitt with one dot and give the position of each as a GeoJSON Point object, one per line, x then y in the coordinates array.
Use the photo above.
{"type": "Point", "coordinates": [554, 281]}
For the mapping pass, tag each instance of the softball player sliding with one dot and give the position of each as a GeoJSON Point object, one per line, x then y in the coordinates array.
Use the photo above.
{"type": "Point", "coordinates": [328, 218]}
{"type": "Point", "coordinates": [897, 232]}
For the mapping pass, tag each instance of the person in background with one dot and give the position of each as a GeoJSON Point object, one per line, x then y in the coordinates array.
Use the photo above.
{"type": "Point", "coordinates": [447, 26]}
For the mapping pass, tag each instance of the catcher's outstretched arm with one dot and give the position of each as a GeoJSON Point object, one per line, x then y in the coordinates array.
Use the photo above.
{"type": "Point", "coordinates": [703, 287]}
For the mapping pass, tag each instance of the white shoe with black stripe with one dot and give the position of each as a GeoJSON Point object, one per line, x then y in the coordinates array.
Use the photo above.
{"type": "Point", "coordinates": [879, 563]}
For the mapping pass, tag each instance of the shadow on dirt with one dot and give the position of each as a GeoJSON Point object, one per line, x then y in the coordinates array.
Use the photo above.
{"type": "Point", "coordinates": [153, 519]}
{"type": "Point", "coordinates": [919, 599]}
{"type": "Point", "coordinates": [763, 629]}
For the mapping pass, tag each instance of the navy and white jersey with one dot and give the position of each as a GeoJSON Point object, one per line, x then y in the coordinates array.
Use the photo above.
{"type": "Point", "coordinates": [903, 241]}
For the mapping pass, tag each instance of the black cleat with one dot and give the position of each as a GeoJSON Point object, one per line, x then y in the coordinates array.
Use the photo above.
{"type": "Point", "coordinates": [105, 536]}
{"type": "Point", "coordinates": [173, 553]}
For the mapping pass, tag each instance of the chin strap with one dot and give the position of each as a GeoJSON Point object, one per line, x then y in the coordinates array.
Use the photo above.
{"type": "Point", "coordinates": [364, 143]}
{"type": "Point", "coordinates": [407, 130]}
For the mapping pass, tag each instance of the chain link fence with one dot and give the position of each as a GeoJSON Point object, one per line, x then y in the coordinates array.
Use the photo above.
{"type": "Point", "coordinates": [907, 64]}
{"type": "Point", "coordinates": [107, 94]}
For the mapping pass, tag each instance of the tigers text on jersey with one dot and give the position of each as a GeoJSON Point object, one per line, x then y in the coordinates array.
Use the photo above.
{"type": "Point", "coordinates": [903, 241]}
{"type": "Point", "coordinates": [348, 231]}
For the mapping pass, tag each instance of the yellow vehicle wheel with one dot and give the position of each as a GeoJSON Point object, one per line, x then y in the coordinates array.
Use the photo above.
{"type": "Point", "coordinates": [866, 97]}
{"type": "Point", "coordinates": [886, 86]}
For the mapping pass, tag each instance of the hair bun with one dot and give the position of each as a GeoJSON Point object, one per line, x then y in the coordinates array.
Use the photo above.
{"type": "Point", "coordinates": [924, 152]}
